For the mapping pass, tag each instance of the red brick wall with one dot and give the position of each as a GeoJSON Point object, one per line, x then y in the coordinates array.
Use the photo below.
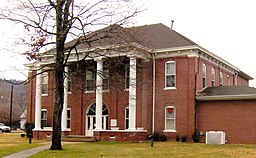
{"type": "Point", "coordinates": [242, 81]}
{"type": "Point", "coordinates": [236, 118]}
{"type": "Point", "coordinates": [182, 97]}
{"type": "Point", "coordinates": [125, 136]}
{"type": "Point", "coordinates": [116, 99]}
{"type": "Point", "coordinates": [217, 68]}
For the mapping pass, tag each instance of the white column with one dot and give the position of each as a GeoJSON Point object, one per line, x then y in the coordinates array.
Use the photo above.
{"type": "Point", "coordinates": [99, 98]}
{"type": "Point", "coordinates": [132, 94]}
{"type": "Point", "coordinates": [38, 101]}
{"type": "Point", "coordinates": [65, 103]}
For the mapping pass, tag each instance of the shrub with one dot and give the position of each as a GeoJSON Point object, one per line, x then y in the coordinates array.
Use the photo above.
{"type": "Point", "coordinates": [177, 138]}
{"type": "Point", "coordinates": [184, 138]}
{"type": "Point", "coordinates": [162, 138]}
{"type": "Point", "coordinates": [156, 136]}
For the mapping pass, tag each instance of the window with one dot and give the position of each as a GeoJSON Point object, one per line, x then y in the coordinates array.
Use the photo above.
{"type": "Point", "coordinates": [68, 118]}
{"type": "Point", "coordinates": [44, 83]}
{"type": "Point", "coordinates": [170, 114]}
{"type": "Point", "coordinates": [213, 77]}
{"type": "Point", "coordinates": [126, 118]}
{"type": "Point", "coordinates": [69, 83]}
{"type": "Point", "coordinates": [221, 79]}
{"type": "Point", "coordinates": [105, 79]}
{"type": "Point", "coordinates": [127, 76]}
{"type": "Point", "coordinates": [43, 118]}
{"type": "Point", "coordinates": [204, 75]}
{"type": "Point", "coordinates": [90, 80]}
{"type": "Point", "coordinates": [228, 80]}
{"type": "Point", "coordinates": [170, 74]}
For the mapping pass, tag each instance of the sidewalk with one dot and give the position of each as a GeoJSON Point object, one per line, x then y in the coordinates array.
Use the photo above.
{"type": "Point", "coordinates": [29, 152]}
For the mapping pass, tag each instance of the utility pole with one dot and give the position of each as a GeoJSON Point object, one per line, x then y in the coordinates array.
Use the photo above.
{"type": "Point", "coordinates": [11, 107]}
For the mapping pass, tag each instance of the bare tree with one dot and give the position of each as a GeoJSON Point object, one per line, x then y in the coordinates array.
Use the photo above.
{"type": "Point", "coordinates": [51, 22]}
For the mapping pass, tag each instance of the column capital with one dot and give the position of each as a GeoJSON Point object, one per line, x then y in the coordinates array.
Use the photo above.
{"type": "Point", "coordinates": [132, 56]}
{"type": "Point", "coordinates": [98, 59]}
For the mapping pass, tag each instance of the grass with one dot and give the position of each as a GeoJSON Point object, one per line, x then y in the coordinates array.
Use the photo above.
{"type": "Point", "coordinates": [13, 142]}
{"type": "Point", "coordinates": [143, 150]}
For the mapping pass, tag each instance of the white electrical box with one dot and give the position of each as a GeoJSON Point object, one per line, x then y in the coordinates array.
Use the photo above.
{"type": "Point", "coordinates": [215, 137]}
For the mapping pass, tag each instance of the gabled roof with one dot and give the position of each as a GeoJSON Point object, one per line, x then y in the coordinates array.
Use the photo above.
{"type": "Point", "coordinates": [227, 93]}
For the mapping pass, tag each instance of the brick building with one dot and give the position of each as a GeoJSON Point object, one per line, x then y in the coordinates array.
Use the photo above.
{"type": "Point", "coordinates": [141, 80]}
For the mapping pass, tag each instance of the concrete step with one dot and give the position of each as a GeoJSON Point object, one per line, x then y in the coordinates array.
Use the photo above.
{"type": "Point", "coordinates": [77, 138]}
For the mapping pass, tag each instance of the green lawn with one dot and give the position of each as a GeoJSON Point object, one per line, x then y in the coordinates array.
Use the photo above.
{"type": "Point", "coordinates": [143, 150]}
{"type": "Point", "coordinates": [13, 142]}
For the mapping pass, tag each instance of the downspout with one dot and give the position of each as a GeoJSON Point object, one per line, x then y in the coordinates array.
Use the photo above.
{"type": "Point", "coordinates": [153, 93]}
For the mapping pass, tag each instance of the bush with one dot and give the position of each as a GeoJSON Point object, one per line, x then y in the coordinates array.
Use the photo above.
{"type": "Point", "coordinates": [196, 136]}
{"type": "Point", "coordinates": [177, 138]}
{"type": "Point", "coordinates": [29, 129]}
{"type": "Point", "coordinates": [156, 136]}
{"type": "Point", "coordinates": [184, 138]}
{"type": "Point", "coordinates": [162, 138]}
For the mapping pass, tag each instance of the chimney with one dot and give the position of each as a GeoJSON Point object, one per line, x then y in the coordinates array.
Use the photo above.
{"type": "Point", "coordinates": [172, 24]}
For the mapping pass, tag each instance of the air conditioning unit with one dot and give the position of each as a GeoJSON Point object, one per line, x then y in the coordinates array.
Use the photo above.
{"type": "Point", "coordinates": [215, 137]}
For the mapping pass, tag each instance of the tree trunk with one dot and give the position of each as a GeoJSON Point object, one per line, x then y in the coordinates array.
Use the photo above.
{"type": "Point", "coordinates": [58, 106]}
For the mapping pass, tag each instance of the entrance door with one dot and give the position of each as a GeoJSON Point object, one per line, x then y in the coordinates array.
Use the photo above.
{"type": "Point", "coordinates": [91, 119]}
{"type": "Point", "coordinates": [91, 124]}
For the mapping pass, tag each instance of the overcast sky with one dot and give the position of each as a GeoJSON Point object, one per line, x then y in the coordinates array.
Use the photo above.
{"type": "Point", "coordinates": [224, 27]}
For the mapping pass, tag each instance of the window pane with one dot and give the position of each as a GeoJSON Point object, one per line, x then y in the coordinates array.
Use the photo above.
{"type": "Point", "coordinates": [127, 76]}
{"type": "Point", "coordinates": [43, 115]}
{"type": "Point", "coordinates": [170, 81]}
{"type": "Point", "coordinates": [89, 85]}
{"type": "Point", "coordinates": [105, 84]}
{"type": "Point", "coordinates": [44, 89]}
{"type": "Point", "coordinates": [169, 112]}
{"type": "Point", "coordinates": [89, 75]}
{"type": "Point", "coordinates": [204, 70]}
{"type": "Point", "coordinates": [170, 124]}
{"type": "Point", "coordinates": [170, 68]}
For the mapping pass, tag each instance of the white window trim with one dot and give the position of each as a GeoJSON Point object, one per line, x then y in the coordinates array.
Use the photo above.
{"type": "Point", "coordinates": [229, 80]}
{"type": "Point", "coordinates": [170, 88]}
{"type": "Point", "coordinates": [69, 83]}
{"type": "Point", "coordinates": [204, 75]}
{"type": "Point", "coordinates": [94, 80]}
{"type": "Point", "coordinates": [127, 69]}
{"type": "Point", "coordinates": [45, 118]}
{"type": "Point", "coordinates": [221, 78]}
{"type": "Point", "coordinates": [213, 77]}
{"type": "Point", "coordinates": [45, 74]}
{"type": "Point", "coordinates": [104, 78]}
{"type": "Point", "coordinates": [126, 118]}
{"type": "Point", "coordinates": [69, 118]}
{"type": "Point", "coordinates": [169, 130]}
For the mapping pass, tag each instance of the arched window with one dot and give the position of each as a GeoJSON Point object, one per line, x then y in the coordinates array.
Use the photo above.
{"type": "Point", "coordinates": [92, 110]}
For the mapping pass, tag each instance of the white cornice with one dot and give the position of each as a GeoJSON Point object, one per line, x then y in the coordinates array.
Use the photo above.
{"type": "Point", "coordinates": [226, 97]}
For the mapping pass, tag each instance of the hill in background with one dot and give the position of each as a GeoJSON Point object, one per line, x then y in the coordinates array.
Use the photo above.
{"type": "Point", "coordinates": [18, 104]}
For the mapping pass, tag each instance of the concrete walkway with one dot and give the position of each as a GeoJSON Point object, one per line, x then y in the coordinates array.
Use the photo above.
{"type": "Point", "coordinates": [29, 152]}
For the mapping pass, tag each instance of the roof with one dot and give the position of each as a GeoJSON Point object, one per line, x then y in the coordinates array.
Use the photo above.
{"type": "Point", "coordinates": [227, 93]}
{"type": "Point", "coordinates": [155, 36]}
